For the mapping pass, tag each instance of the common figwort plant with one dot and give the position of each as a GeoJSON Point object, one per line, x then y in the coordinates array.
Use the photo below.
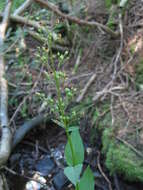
{"type": "Point", "coordinates": [74, 149]}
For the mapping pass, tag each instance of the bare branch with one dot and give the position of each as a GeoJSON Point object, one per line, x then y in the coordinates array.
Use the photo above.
{"type": "Point", "coordinates": [25, 21]}
{"type": "Point", "coordinates": [4, 24]}
{"type": "Point", "coordinates": [81, 96]}
{"type": "Point", "coordinates": [22, 8]}
{"type": "Point", "coordinates": [42, 40]}
{"type": "Point", "coordinates": [75, 19]}
{"type": "Point", "coordinates": [115, 63]}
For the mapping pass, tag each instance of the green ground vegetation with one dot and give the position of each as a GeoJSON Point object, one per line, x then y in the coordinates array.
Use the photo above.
{"type": "Point", "coordinates": [120, 158]}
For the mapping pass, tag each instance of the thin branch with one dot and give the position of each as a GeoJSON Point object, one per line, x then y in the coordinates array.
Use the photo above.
{"type": "Point", "coordinates": [26, 97]}
{"type": "Point", "coordinates": [25, 21]}
{"type": "Point", "coordinates": [130, 146]}
{"type": "Point", "coordinates": [24, 176]}
{"type": "Point", "coordinates": [26, 127]}
{"type": "Point", "coordinates": [42, 40]}
{"type": "Point", "coordinates": [22, 8]}
{"type": "Point", "coordinates": [81, 96]}
{"type": "Point", "coordinates": [4, 24]}
{"type": "Point", "coordinates": [75, 19]}
{"type": "Point", "coordinates": [115, 63]}
{"type": "Point", "coordinates": [101, 171]}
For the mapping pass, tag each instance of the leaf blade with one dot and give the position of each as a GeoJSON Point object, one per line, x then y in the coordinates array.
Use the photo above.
{"type": "Point", "coordinates": [73, 173]}
{"type": "Point", "coordinates": [78, 149]}
{"type": "Point", "coordinates": [87, 180]}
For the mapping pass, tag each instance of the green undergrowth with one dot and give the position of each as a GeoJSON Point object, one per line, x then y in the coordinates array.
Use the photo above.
{"type": "Point", "coordinates": [15, 4]}
{"type": "Point", "coordinates": [120, 158]}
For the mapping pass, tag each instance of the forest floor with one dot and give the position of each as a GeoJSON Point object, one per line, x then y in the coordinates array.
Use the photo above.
{"type": "Point", "coordinates": [107, 74]}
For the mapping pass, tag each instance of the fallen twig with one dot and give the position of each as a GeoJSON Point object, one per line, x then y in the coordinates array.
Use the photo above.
{"type": "Point", "coordinates": [101, 171]}
{"type": "Point", "coordinates": [115, 63]}
{"type": "Point", "coordinates": [25, 21]}
{"type": "Point", "coordinates": [26, 127]}
{"type": "Point", "coordinates": [75, 19]}
{"type": "Point", "coordinates": [107, 90]}
{"type": "Point", "coordinates": [22, 8]}
{"type": "Point", "coordinates": [26, 97]}
{"type": "Point", "coordinates": [81, 96]}
{"type": "Point", "coordinates": [24, 176]}
{"type": "Point", "coordinates": [130, 146]}
{"type": "Point", "coordinates": [43, 40]}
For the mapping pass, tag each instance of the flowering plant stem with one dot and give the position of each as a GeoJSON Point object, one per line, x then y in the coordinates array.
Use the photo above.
{"type": "Point", "coordinates": [60, 106]}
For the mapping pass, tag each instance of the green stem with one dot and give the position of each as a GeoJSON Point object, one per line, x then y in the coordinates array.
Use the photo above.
{"type": "Point", "coordinates": [71, 147]}
{"type": "Point", "coordinates": [77, 186]}
{"type": "Point", "coordinates": [61, 108]}
{"type": "Point", "coordinates": [62, 112]}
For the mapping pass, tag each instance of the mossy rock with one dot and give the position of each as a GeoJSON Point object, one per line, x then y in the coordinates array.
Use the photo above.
{"type": "Point", "coordinates": [120, 158]}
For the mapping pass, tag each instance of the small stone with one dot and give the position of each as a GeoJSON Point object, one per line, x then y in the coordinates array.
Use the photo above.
{"type": "Point", "coordinates": [97, 175]}
{"type": "Point", "coordinates": [60, 180]}
{"type": "Point", "coordinates": [45, 166]}
{"type": "Point", "coordinates": [33, 185]}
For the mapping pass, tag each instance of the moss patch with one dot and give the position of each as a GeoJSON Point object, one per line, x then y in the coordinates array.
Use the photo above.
{"type": "Point", "coordinates": [121, 159]}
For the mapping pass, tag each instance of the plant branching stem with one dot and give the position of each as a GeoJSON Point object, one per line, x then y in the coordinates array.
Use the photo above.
{"type": "Point", "coordinates": [61, 107]}
{"type": "Point", "coordinates": [62, 113]}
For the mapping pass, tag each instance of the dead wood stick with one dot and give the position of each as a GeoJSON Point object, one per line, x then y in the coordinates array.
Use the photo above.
{"type": "Point", "coordinates": [29, 94]}
{"type": "Point", "coordinates": [75, 19]}
{"type": "Point", "coordinates": [22, 8]}
{"type": "Point", "coordinates": [25, 21]}
{"type": "Point", "coordinates": [26, 127]}
{"type": "Point", "coordinates": [5, 144]}
{"type": "Point", "coordinates": [45, 186]}
{"type": "Point", "coordinates": [43, 40]}
{"type": "Point", "coordinates": [101, 171]}
{"type": "Point", "coordinates": [115, 63]}
{"type": "Point", "coordinates": [81, 96]}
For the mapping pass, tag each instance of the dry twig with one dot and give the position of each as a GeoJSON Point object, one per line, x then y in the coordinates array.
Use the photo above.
{"type": "Point", "coordinates": [25, 21]}
{"type": "Point", "coordinates": [26, 97]}
{"type": "Point", "coordinates": [130, 146]}
{"type": "Point", "coordinates": [26, 127]}
{"type": "Point", "coordinates": [22, 8]}
{"type": "Point", "coordinates": [115, 63]}
{"type": "Point", "coordinates": [77, 20]}
{"type": "Point", "coordinates": [103, 174]}
{"type": "Point", "coordinates": [43, 40]}
{"type": "Point", "coordinates": [26, 177]}
{"type": "Point", "coordinates": [81, 96]}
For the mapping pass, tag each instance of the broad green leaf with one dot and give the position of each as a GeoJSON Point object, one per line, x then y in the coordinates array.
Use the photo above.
{"type": "Point", "coordinates": [87, 180]}
{"type": "Point", "coordinates": [78, 149]}
{"type": "Point", "coordinates": [73, 173]}
{"type": "Point", "coordinates": [73, 128]}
